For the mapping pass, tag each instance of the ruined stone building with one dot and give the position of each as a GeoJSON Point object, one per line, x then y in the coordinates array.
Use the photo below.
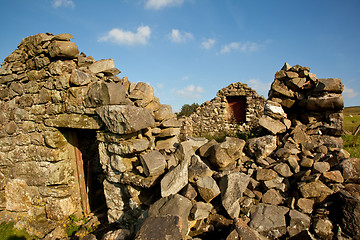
{"type": "Point", "coordinates": [236, 108]}
{"type": "Point", "coordinates": [67, 123]}
{"type": "Point", "coordinates": [76, 139]}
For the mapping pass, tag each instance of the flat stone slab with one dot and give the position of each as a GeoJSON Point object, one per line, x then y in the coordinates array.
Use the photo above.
{"type": "Point", "coordinates": [75, 121]}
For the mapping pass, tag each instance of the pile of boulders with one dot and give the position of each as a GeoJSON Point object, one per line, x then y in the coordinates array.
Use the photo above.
{"type": "Point", "coordinates": [293, 181]}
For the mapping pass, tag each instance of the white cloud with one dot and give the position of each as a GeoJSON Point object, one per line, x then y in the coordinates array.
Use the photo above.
{"type": "Point", "coordinates": [180, 37]}
{"type": "Point", "coordinates": [191, 91]}
{"type": "Point", "coordinates": [185, 78]}
{"type": "Point", "coordinates": [241, 46]}
{"type": "Point", "coordinates": [208, 43]}
{"type": "Point", "coordinates": [160, 4]}
{"type": "Point", "coordinates": [63, 3]}
{"type": "Point", "coordinates": [349, 92]}
{"type": "Point", "coordinates": [119, 36]}
{"type": "Point", "coordinates": [262, 88]}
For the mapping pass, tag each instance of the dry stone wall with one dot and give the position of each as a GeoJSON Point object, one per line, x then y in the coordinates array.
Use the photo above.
{"type": "Point", "coordinates": [48, 94]}
{"type": "Point", "coordinates": [59, 107]}
{"type": "Point", "coordinates": [213, 117]}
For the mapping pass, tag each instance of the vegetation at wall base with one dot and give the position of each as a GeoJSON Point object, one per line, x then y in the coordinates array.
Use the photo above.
{"type": "Point", "coordinates": [8, 232]}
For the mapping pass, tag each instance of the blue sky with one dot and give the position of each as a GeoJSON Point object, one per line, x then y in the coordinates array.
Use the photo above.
{"type": "Point", "coordinates": [189, 49]}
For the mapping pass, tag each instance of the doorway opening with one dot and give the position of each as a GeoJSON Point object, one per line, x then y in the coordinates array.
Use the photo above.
{"type": "Point", "coordinates": [236, 109]}
{"type": "Point", "coordinates": [90, 175]}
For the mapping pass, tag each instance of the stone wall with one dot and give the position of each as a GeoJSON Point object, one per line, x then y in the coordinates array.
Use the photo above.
{"type": "Point", "coordinates": [212, 117]}
{"type": "Point", "coordinates": [294, 180]}
{"type": "Point", "coordinates": [48, 93]}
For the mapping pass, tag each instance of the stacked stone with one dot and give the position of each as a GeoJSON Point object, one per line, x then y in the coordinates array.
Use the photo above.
{"type": "Point", "coordinates": [46, 89]}
{"type": "Point", "coordinates": [212, 116]}
{"type": "Point", "coordinates": [295, 181]}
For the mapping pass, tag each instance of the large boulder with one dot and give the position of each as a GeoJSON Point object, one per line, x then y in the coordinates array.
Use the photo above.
{"type": "Point", "coordinates": [269, 220]}
{"type": "Point", "coordinates": [227, 152]}
{"type": "Point", "coordinates": [261, 147]}
{"type": "Point", "coordinates": [102, 93]}
{"type": "Point", "coordinates": [175, 179]}
{"type": "Point", "coordinates": [124, 119]}
{"type": "Point", "coordinates": [232, 187]}
{"type": "Point", "coordinates": [63, 49]}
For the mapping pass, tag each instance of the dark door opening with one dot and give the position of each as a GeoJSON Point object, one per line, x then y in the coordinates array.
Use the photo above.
{"type": "Point", "coordinates": [236, 109]}
{"type": "Point", "coordinates": [89, 170]}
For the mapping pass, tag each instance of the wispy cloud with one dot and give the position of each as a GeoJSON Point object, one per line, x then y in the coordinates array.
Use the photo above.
{"type": "Point", "coordinates": [63, 3]}
{"type": "Point", "coordinates": [262, 88]}
{"type": "Point", "coordinates": [177, 36]}
{"type": "Point", "coordinates": [191, 92]}
{"type": "Point", "coordinates": [208, 43]}
{"type": "Point", "coordinates": [160, 4]}
{"type": "Point", "coordinates": [241, 46]}
{"type": "Point", "coordinates": [119, 36]}
{"type": "Point", "coordinates": [349, 92]}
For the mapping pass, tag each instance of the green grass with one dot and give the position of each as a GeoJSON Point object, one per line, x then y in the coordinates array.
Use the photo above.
{"type": "Point", "coordinates": [351, 111]}
{"type": "Point", "coordinates": [8, 232]}
{"type": "Point", "coordinates": [352, 145]}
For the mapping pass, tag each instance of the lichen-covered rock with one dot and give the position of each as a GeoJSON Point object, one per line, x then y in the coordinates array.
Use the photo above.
{"type": "Point", "coordinates": [227, 152]}
{"type": "Point", "coordinates": [120, 118]}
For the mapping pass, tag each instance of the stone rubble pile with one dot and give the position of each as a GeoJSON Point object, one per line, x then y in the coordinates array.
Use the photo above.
{"type": "Point", "coordinates": [294, 180]}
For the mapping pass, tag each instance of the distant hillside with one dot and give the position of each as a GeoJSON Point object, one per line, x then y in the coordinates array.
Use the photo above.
{"type": "Point", "coordinates": [352, 111]}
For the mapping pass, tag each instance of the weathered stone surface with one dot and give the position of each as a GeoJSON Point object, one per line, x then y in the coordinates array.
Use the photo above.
{"type": "Point", "coordinates": [207, 188]}
{"type": "Point", "coordinates": [266, 174]}
{"type": "Point", "coordinates": [164, 113]}
{"type": "Point", "coordinates": [200, 210]}
{"type": "Point", "coordinates": [347, 213]}
{"type": "Point", "coordinates": [175, 205]}
{"type": "Point", "coordinates": [153, 162]}
{"type": "Point", "coordinates": [131, 146]}
{"type": "Point", "coordinates": [227, 152]}
{"type": "Point", "coordinates": [121, 164]}
{"type": "Point", "coordinates": [232, 188]}
{"type": "Point", "coordinates": [272, 125]}
{"type": "Point", "coordinates": [74, 121]}
{"type": "Point", "coordinates": [323, 228]}
{"type": "Point", "coordinates": [329, 85]}
{"type": "Point", "coordinates": [63, 49]}
{"type": "Point", "coordinates": [101, 93]}
{"type": "Point", "coordinates": [119, 234]}
{"type": "Point", "coordinates": [315, 189]}
{"type": "Point", "coordinates": [142, 94]}
{"type": "Point", "coordinates": [80, 78]}
{"type": "Point", "coordinates": [274, 110]}
{"type": "Point", "coordinates": [120, 118]}
{"type": "Point", "coordinates": [244, 231]}
{"type": "Point", "coordinates": [171, 123]}
{"type": "Point", "coordinates": [17, 195]}
{"type": "Point", "coordinates": [272, 197]}
{"type": "Point", "coordinates": [283, 169]}
{"type": "Point", "coordinates": [298, 222]}
{"type": "Point", "coordinates": [351, 170]}
{"type": "Point", "coordinates": [167, 144]}
{"type": "Point", "coordinates": [102, 65]}
{"type": "Point", "coordinates": [261, 147]}
{"type": "Point", "coordinates": [166, 227]}
{"type": "Point", "coordinates": [60, 209]}
{"type": "Point", "coordinates": [333, 176]}
{"type": "Point", "coordinates": [115, 200]}
{"type": "Point", "coordinates": [321, 167]}
{"type": "Point", "coordinates": [169, 132]}
{"type": "Point", "coordinates": [175, 179]}
{"type": "Point", "coordinates": [305, 205]}
{"type": "Point", "coordinates": [204, 150]}
{"type": "Point", "coordinates": [330, 101]}
{"type": "Point", "coordinates": [198, 169]}
{"type": "Point", "coordinates": [269, 220]}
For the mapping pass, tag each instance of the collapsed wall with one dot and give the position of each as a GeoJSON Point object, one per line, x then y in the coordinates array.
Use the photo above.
{"type": "Point", "coordinates": [235, 109]}
{"type": "Point", "coordinates": [66, 117]}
